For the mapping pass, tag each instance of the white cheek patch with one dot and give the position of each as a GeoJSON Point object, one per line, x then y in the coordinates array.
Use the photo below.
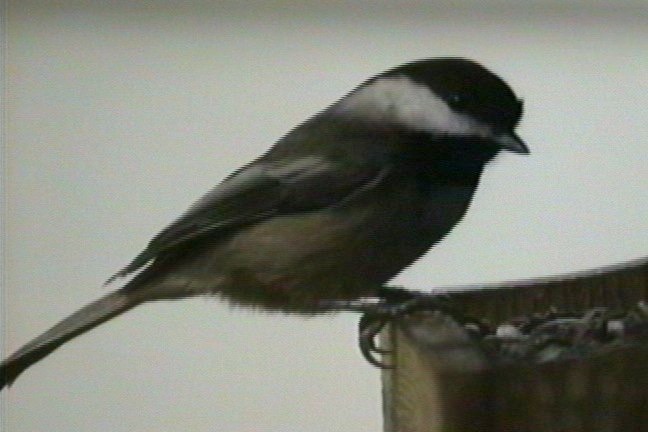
{"type": "Point", "coordinates": [401, 101]}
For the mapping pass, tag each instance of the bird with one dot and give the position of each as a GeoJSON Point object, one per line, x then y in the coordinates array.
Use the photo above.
{"type": "Point", "coordinates": [333, 211]}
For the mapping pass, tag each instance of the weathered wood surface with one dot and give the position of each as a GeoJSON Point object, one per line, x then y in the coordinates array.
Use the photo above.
{"type": "Point", "coordinates": [443, 381]}
{"type": "Point", "coordinates": [621, 285]}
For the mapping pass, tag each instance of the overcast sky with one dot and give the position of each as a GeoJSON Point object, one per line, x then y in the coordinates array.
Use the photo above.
{"type": "Point", "coordinates": [120, 114]}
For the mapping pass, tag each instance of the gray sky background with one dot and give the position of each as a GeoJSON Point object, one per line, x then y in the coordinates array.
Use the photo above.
{"type": "Point", "coordinates": [119, 114]}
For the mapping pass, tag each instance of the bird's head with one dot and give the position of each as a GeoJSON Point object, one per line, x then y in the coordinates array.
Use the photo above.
{"type": "Point", "coordinates": [443, 97]}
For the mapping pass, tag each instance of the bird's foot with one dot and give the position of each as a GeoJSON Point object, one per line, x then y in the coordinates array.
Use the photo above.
{"type": "Point", "coordinates": [390, 305]}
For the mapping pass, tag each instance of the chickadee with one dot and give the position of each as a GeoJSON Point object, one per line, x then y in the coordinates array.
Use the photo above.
{"type": "Point", "coordinates": [333, 211]}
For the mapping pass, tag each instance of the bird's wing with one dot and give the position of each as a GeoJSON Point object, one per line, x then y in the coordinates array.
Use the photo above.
{"type": "Point", "coordinates": [258, 191]}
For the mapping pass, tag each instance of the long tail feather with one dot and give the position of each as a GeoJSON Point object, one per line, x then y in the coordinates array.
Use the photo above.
{"type": "Point", "coordinates": [79, 322]}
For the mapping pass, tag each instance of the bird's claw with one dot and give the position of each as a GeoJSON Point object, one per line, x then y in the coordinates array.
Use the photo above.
{"type": "Point", "coordinates": [368, 330]}
{"type": "Point", "coordinates": [374, 320]}
{"type": "Point", "coordinates": [378, 312]}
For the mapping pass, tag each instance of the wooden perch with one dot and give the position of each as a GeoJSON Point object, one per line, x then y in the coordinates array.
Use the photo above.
{"type": "Point", "coordinates": [444, 379]}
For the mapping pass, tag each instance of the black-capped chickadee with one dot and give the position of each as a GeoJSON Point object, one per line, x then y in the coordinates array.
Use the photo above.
{"type": "Point", "coordinates": [334, 210]}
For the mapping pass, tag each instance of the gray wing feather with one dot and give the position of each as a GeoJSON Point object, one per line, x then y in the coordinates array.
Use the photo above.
{"type": "Point", "coordinates": [255, 192]}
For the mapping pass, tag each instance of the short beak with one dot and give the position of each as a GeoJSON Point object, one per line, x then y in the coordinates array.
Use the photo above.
{"type": "Point", "coordinates": [512, 142]}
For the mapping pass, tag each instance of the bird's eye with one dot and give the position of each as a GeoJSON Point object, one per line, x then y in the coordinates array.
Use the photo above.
{"type": "Point", "coordinates": [456, 100]}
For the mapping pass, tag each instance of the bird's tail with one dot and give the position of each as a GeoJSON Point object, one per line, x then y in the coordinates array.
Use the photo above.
{"type": "Point", "coordinates": [79, 322]}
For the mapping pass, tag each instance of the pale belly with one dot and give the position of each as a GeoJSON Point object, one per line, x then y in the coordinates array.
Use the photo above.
{"type": "Point", "coordinates": [292, 262]}
{"type": "Point", "coordinates": [339, 253]}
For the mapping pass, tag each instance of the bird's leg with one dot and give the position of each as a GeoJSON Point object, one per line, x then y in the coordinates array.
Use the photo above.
{"type": "Point", "coordinates": [390, 304]}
